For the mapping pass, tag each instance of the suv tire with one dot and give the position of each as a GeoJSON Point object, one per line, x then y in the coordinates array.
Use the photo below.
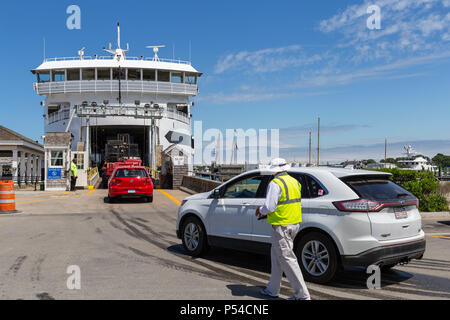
{"type": "Point", "coordinates": [317, 257]}
{"type": "Point", "coordinates": [194, 237]}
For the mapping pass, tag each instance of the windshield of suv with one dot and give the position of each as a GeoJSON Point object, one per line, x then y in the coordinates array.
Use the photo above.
{"type": "Point", "coordinates": [377, 188]}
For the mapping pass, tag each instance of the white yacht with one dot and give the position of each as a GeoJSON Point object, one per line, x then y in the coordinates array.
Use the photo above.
{"type": "Point", "coordinates": [417, 163]}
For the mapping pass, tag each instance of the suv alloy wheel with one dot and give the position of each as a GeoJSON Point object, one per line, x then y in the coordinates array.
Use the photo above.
{"type": "Point", "coordinates": [317, 257]}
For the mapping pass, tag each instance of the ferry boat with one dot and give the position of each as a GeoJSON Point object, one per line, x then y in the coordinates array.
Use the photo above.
{"type": "Point", "coordinates": [142, 101]}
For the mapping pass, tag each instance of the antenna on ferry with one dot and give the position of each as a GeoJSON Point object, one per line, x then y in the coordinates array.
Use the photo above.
{"type": "Point", "coordinates": [118, 35]}
{"type": "Point", "coordinates": [81, 53]}
{"type": "Point", "coordinates": [155, 50]}
{"type": "Point", "coordinates": [119, 52]}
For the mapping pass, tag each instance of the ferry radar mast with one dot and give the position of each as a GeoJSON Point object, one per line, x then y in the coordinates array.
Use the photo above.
{"type": "Point", "coordinates": [119, 53]}
{"type": "Point", "coordinates": [155, 51]}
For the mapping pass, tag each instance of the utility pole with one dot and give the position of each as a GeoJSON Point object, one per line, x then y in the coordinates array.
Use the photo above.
{"type": "Point", "coordinates": [309, 161]}
{"type": "Point", "coordinates": [385, 152]}
{"type": "Point", "coordinates": [318, 142]}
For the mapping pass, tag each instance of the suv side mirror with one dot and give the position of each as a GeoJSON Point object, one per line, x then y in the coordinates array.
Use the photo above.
{"type": "Point", "coordinates": [215, 194]}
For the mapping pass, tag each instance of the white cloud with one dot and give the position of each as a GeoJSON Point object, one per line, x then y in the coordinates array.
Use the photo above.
{"type": "Point", "coordinates": [255, 95]}
{"type": "Point", "coordinates": [408, 26]}
{"type": "Point", "coordinates": [266, 60]}
{"type": "Point", "coordinates": [414, 33]}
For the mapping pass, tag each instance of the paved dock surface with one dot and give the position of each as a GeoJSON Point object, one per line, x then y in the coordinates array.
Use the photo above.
{"type": "Point", "coordinates": [129, 250]}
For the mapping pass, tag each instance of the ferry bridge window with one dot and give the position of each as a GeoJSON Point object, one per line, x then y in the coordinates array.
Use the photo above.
{"type": "Point", "coordinates": [163, 76]}
{"type": "Point", "coordinates": [149, 75]}
{"type": "Point", "coordinates": [119, 73]}
{"type": "Point", "coordinates": [103, 74]}
{"type": "Point", "coordinates": [44, 76]}
{"type": "Point", "coordinates": [177, 77]}
{"type": "Point", "coordinates": [58, 75]}
{"type": "Point", "coordinates": [88, 74]}
{"type": "Point", "coordinates": [73, 74]}
{"type": "Point", "coordinates": [190, 78]}
{"type": "Point", "coordinates": [134, 74]}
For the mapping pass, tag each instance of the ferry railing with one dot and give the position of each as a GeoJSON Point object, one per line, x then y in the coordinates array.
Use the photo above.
{"type": "Point", "coordinates": [137, 86]}
{"type": "Point", "coordinates": [58, 116]}
{"type": "Point", "coordinates": [177, 61]}
{"type": "Point", "coordinates": [131, 111]}
{"type": "Point", "coordinates": [177, 115]}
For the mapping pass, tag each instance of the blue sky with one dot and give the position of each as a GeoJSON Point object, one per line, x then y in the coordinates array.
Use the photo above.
{"type": "Point", "coordinates": [266, 65]}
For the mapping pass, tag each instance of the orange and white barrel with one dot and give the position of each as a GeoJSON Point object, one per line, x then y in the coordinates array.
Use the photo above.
{"type": "Point", "coordinates": [7, 197]}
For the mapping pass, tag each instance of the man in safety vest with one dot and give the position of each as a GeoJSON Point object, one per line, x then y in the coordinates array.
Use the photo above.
{"type": "Point", "coordinates": [283, 210]}
{"type": "Point", "coordinates": [73, 175]}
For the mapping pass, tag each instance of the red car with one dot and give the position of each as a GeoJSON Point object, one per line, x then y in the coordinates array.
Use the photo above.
{"type": "Point", "coordinates": [130, 182]}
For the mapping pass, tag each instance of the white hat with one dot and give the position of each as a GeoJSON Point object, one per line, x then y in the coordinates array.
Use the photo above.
{"type": "Point", "coordinates": [279, 165]}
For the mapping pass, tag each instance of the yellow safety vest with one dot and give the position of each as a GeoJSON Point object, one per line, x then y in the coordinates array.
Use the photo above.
{"type": "Point", "coordinates": [289, 209]}
{"type": "Point", "coordinates": [73, 170]}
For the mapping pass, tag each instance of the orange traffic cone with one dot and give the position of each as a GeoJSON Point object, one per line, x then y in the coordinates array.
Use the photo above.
{"type": "Point", "coordinates": [7, 197]}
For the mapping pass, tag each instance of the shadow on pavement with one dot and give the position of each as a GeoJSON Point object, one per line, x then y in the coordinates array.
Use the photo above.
{"type": "Point", "coordinates": [239, 290]}
{"type": "Point", "coordinates": [349, 278]}
{"type": "Point", "coordinates": [238, 259]}
{"type": "Point", "coordinates": [125, 200]}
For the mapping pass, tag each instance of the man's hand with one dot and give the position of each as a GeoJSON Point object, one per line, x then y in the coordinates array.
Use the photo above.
{"type": "Point", "coordinates": [258, 213]}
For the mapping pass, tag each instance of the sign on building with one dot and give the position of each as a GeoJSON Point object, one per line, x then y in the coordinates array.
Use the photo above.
{"type": "Point", "coordinates": [178, 161]}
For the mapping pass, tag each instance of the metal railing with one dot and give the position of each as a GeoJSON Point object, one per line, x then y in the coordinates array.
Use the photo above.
{"type": "Point", "coordinates": [24, 180]}
{"type": "Point", "coordinates": [177, 61]}
{"type": "Point", "coordinates": [92, 175]}
{"type": "Point", "coordinates": [58, 116]}
{"type": "Point", "coordinates": [137, 86]}
{"type": "Point", "coordinates": [177, 115]}
{"type": "Point", "coordinates": [153, 173]}
{"type": "Point", "coordinates": [131, 111]}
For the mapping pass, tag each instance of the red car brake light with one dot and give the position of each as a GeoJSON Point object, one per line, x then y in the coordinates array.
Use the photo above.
{"type": "Point", "coordinates": [115, 181]}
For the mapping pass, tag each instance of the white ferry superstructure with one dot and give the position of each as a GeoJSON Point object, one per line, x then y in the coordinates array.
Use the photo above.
{"type": "Point", "coordinates": [96, 98]}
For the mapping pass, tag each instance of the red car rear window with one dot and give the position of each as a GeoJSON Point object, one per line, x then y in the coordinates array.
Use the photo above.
{"type": "Point", "coordinates": [131, 173]}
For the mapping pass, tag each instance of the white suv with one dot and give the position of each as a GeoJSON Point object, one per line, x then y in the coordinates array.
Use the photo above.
{"type": "Point", "coordinates": [350, 218]}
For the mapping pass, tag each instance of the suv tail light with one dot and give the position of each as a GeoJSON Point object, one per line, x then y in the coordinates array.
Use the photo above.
{"type": "Point", "coordinates": [362, 205]}
{"type": "Point", "coordinates": [357, 205]}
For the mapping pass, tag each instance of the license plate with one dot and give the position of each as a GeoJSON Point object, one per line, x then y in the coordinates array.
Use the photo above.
{"type": "Point", "coordinates": [400, 213]}
{"type": "Point", "coordinates": [131, 191]}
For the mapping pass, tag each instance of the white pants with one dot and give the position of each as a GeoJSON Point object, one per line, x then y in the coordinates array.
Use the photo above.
{"type": "Point", "coordinates": [284, 260]}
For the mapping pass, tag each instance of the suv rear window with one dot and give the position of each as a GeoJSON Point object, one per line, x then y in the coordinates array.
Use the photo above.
{"type": "Point", "coordinates": [131, 173]}
{"type": "Point", "coordinates": [377, 188]}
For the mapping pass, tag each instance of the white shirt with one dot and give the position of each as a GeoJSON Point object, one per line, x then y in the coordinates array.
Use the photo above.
{"type": "Point", "coordinates": [271, 203]}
